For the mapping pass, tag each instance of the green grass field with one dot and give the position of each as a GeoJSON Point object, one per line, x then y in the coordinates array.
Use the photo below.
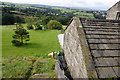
{"type": "Point", "coordinates": [41, 43]}
{"type": "Point", "coordinates": [84, 15]}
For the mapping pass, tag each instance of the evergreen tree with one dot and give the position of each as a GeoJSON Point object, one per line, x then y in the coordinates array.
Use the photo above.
{"type": "Point", "coordinates": [20, 36]}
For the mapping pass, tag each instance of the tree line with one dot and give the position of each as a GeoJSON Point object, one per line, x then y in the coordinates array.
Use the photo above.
{"type": "Point", "coordinates": [9, 16]}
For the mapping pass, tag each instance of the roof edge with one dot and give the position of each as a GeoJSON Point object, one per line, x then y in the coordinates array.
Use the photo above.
{"type": "Point", "coordinates": [69, 23]}
{"type": "Point", "coordinates": [113, 5]}
{"type": "Point", "coordinates": [73, 18]}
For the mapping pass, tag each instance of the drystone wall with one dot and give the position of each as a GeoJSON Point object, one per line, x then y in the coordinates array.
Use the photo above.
{"type": "Point", "coordinates": [112, 12]}
{"type": "Point", "coordinates": [73, 51]}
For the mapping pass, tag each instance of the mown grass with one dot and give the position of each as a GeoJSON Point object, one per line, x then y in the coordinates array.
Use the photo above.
{"type": "Point", "coordinates": [42, 42]}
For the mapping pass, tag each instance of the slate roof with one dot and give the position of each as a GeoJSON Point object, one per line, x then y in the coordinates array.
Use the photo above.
{"type": "Point", "coordinates": [103, 38]}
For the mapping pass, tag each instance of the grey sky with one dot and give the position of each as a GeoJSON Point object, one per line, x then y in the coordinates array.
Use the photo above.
{"type": "Point", "coordinates": [92, 4]}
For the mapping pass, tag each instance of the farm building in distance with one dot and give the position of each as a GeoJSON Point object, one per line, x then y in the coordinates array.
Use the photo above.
{"type": "Point", "coordinates": [114, 12]}
{"type": "Point", "coordinates": [92, 47]}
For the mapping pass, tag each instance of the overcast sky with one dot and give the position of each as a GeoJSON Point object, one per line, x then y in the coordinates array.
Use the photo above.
{"type": "Point", "coordinates": [92, 4]}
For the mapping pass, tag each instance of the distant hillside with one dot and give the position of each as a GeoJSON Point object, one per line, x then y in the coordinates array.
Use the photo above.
{"type": "Point", "coordinates": [61, 14]}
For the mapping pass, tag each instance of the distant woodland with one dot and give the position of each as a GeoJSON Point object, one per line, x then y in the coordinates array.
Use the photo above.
{"type": "Point", "coordinates": [21, 13]}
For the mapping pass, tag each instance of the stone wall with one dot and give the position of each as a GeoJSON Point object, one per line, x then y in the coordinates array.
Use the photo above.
{"type": "Point", "coordinates": [73, 51]}
{"type": "Point", "coordinates": [112, 12]}
{"type": "Point", "coordinates": [119, 6]}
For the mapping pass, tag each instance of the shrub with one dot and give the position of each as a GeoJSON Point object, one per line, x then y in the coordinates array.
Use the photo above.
{"type": "Point", "coordinates": [38, 26]}
{"type": "Point", "coordinates": [29, 27]}
{"type": "Point", "coordinates": [53, 24]}
{"type": "Point", "coordinates": [45, 27]}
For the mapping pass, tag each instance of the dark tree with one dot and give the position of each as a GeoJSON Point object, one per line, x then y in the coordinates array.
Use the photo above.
{"type": "Point", "coordinates": [8, 19]}
{"type": "Point", "coordinates": [45, 19]}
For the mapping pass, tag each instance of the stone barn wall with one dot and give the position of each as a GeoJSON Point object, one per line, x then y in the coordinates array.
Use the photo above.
{"type": "Point", "coordinates": [73, 51]}
{"type": "Point", "coordinates": [119, 6]}
{"type": "Point", "coordinates": [112, 12]}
